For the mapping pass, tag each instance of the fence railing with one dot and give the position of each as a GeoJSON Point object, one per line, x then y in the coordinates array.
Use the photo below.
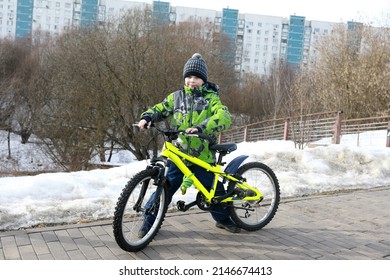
{"type": "Point", "coordinates": [358, 127]}
{"type": "Point", "coordinates": [308, 128]}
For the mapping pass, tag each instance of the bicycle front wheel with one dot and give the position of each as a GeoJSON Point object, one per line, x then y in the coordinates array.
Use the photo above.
{"type": "Point", "coordinates": [140, 202]}
{"type": "Point", "coordinates": [254, 215]}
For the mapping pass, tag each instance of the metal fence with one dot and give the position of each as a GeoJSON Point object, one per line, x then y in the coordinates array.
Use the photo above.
{"type": "Point", "coordinates": [358, 128]}
{"type": "Point", "coordinates": [328, 127]}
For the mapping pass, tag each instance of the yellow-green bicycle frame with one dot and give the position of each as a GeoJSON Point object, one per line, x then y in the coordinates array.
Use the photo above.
{"type": "Point", "coordinates": [176, 156]}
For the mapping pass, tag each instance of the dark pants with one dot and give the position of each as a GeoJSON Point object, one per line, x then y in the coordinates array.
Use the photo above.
{"type": "Point", "coordinates": [175, 178]}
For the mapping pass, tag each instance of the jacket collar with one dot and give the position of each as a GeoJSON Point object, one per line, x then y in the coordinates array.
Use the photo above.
{"type": "Point", "coordinates": [203, 89]}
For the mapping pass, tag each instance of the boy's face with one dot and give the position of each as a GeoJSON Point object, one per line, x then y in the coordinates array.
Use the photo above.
{"type": "Point", "coordinates": [193, 82]}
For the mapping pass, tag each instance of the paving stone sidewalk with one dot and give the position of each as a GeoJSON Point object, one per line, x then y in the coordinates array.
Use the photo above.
{"type": "Point", "coordinates": [352, 225]}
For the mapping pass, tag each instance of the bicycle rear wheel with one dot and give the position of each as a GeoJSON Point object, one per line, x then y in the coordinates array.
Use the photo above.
{"type": "Point", "coordinates": [254, 215]}
{"type": "Point", "coordinates": [139, 197]}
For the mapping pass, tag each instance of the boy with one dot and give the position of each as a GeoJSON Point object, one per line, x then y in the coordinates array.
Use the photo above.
{"type": "Point", "coordinates": [194, 108]}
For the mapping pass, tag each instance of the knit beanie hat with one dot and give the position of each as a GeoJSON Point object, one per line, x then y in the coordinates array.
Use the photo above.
{"type": "Point", "coordinates": [196, 66]}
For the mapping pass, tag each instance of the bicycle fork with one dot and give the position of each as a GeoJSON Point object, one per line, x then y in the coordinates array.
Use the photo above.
{"type": "Point", "coordinates": [153, 202]}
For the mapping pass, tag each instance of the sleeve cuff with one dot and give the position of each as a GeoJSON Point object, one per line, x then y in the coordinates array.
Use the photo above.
{"type": "Point", "coordinates": [146, 118]}
{"type": "Point", "coordinates": [200, 130]}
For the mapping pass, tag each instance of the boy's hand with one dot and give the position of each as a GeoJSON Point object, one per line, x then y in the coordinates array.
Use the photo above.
{"type": "Point", "coordinates": [191, 130]}
{"type": "Point", "coordinates": [143, 124]}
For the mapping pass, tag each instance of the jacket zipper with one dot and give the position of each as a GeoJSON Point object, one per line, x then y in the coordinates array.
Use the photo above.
{"type": "Point", "coordinates": [190, 120]}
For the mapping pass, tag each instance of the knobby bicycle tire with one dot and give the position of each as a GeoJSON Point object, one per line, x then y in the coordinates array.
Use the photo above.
{"type": "Point", "coordinates": [128, 219]}
{"type": "Point", "coordinates": [256, 215]}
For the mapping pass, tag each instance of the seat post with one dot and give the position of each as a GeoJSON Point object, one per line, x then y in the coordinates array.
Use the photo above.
{"type": "Point", "coordinates": [220, 156]}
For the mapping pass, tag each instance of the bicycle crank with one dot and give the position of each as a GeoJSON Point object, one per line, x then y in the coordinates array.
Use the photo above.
{"type": "Point", "coordinates": [201, 202]}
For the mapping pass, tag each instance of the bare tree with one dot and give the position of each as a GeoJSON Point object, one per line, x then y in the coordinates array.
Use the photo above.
{"type": "Point", "coordinates": [11, 57]}
{"type": "Point", "coordinates": [17, 69]}
{"type": "Point", "coordinates": [268, 96]}
{"type": "Point", "coordinates": [280, 83]}
{"type": "Point", "coordinates": [100, 80]}
{"type": "Point", "coordinates": [353, 75]}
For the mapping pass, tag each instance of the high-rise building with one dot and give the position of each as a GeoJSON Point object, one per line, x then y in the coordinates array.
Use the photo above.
{"type": "Point", "coordinates": [295, 41]}
{"type": "Point", "coordinates": [261, 42]}
{"type": "Point", "coordinates": [315, 30]}
{"type": "Point", "coordinates": [7, 19]}
{"type": "Point", "coordinates": [89, 12]}
{"type": "Point", "coordinates": [354, 29]}
{"type": "Point", "coordinates": [35, 18]}
{"type": "Point", "coordinates": [161, 13]}
{"type": "Point", "coordinates": [257, 40]}
{"type": "Point", "coordinates": [229, 28]}
{"type": "Point", "coordinates": [24, 18]}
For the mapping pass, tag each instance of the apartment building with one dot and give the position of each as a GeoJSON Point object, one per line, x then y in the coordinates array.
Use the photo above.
{"type": "Point", "coordinates": [30, 18]}
{"type": "Point", "coordinates": [258, 40]}
{"type": "Point", "coordinates": [7, 19]}
{"type": "Point", "coordinates": [261, 42]}
{"type": "Point", "coordinates": [317, 30]}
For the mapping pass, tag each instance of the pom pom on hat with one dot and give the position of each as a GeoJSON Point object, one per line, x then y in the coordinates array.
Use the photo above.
{"type": "Point", "coordinates": [196, 66]}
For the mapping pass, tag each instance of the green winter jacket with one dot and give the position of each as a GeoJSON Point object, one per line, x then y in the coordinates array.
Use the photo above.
{"type": "Point", "coordinates": [200, 108]}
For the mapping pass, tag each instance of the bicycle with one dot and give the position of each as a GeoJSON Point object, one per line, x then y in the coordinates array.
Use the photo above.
{"type": "Point", "coordinates": [252, 191]}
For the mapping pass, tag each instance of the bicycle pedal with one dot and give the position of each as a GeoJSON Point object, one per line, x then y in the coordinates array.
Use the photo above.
{"type": "Point", "coordinates": [181, 205]}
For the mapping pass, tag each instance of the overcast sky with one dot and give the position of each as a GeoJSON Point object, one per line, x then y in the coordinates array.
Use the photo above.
{"type": "Point", "coordinates": [367, 11]}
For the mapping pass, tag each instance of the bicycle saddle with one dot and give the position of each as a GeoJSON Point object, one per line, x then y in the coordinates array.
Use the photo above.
{"type": "Point", "coordinates": [224, 147]}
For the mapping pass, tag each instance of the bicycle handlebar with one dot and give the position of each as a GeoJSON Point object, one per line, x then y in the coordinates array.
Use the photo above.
{"type": "Point", "coordinates": [204, 136]}
{"type": "Point", "coordinates": [172, 133]}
